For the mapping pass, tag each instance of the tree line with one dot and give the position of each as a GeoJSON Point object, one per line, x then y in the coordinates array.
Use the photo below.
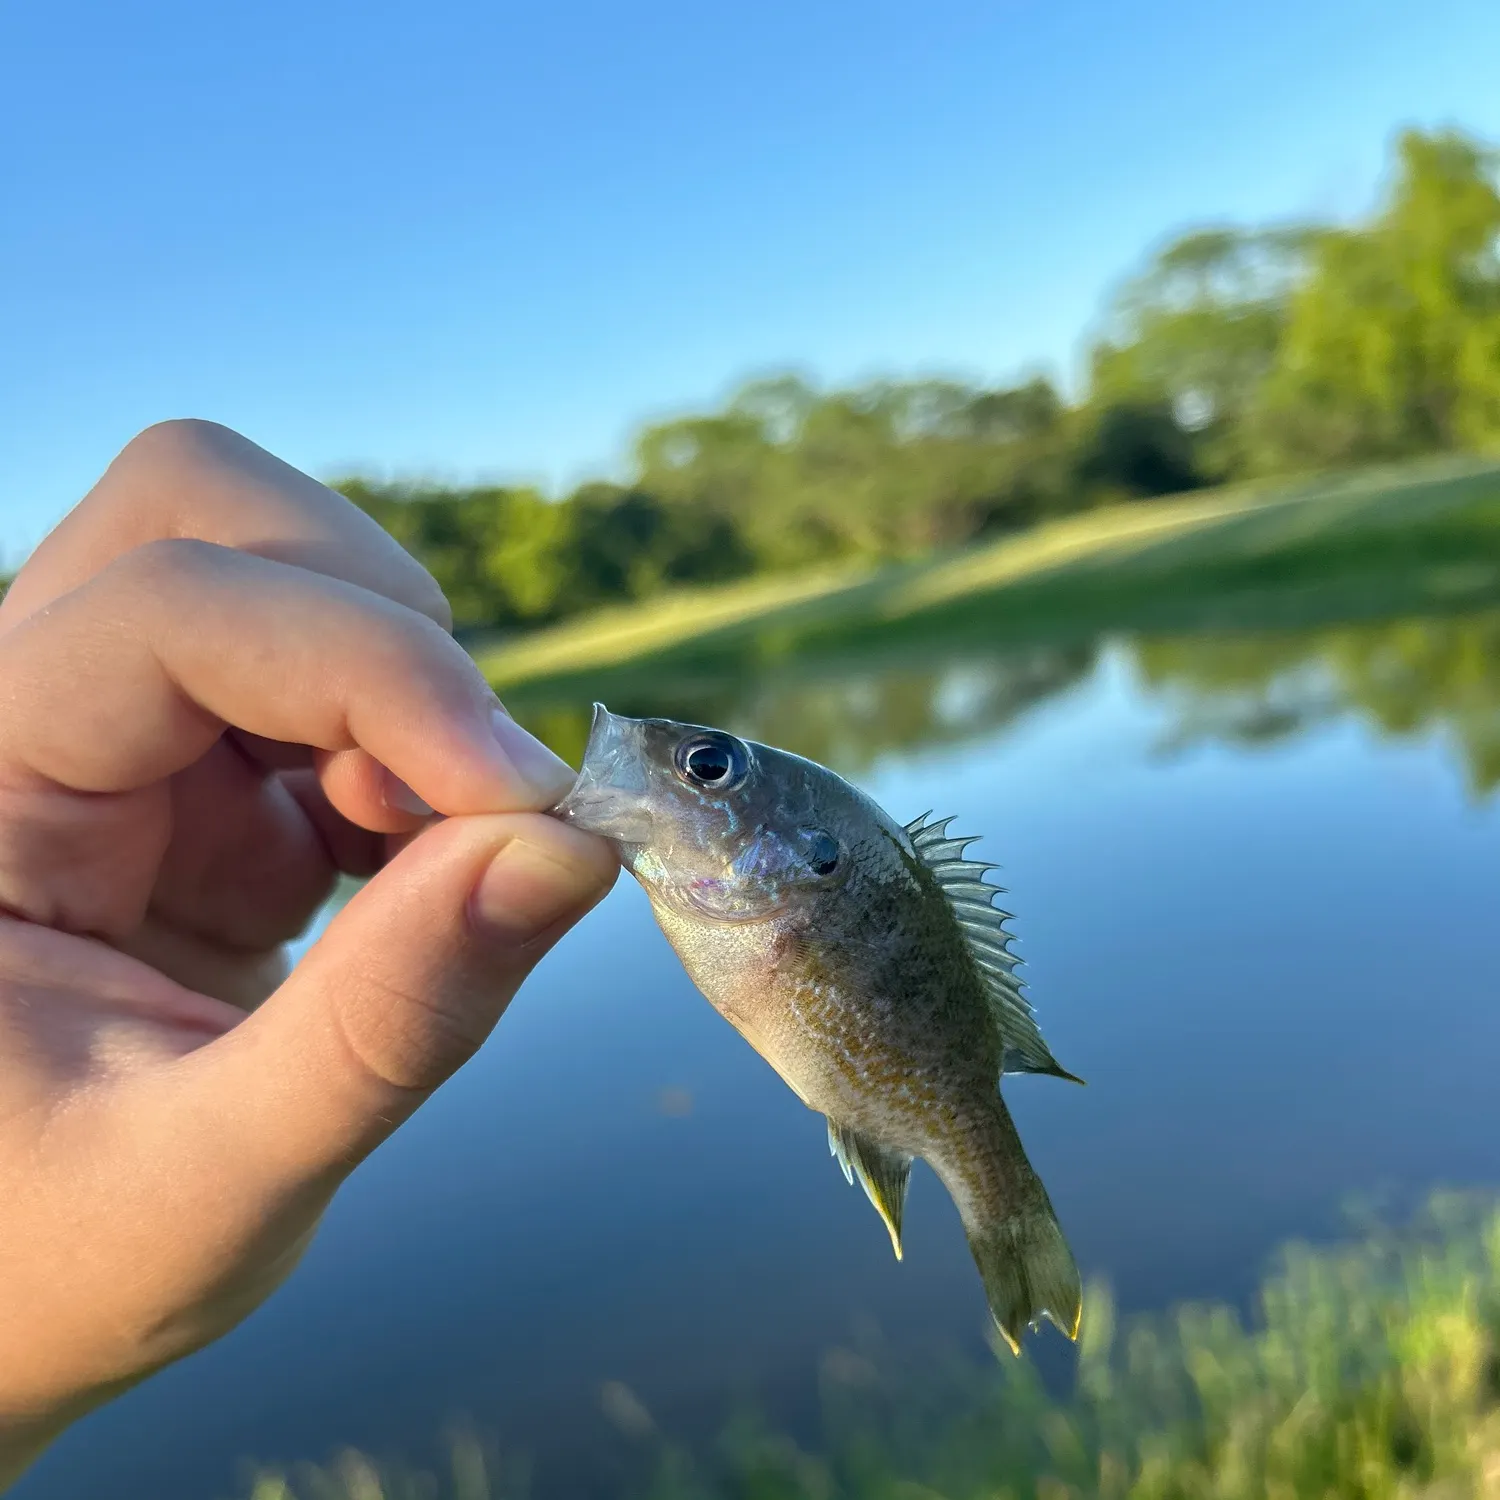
{"type": "Point", "coordinates": [1235, 353]}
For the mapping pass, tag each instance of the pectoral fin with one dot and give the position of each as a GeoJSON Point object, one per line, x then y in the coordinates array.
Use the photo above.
{"type": "Point", "coordinates": [882, 1173]}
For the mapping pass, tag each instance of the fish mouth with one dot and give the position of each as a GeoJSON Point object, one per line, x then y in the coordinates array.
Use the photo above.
{"type": "Point", "coordinates": [609, 796]}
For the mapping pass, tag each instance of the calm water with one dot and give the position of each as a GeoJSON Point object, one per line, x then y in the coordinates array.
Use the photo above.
{"type": "Point", "coordinates": [1255, 885]}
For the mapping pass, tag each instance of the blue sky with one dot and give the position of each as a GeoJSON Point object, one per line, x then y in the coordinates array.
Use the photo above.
{"type": "Point", "coordinates": [490, 239]}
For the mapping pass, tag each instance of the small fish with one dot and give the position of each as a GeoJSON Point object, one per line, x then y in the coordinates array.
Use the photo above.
{"type": "Point", "coordinates": [862, 959]}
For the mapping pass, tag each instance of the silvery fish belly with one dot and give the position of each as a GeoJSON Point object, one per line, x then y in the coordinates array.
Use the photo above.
{"type": "Point", "coordinates": [863, 959]}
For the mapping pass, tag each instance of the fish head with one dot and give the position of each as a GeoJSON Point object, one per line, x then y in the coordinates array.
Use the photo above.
{"type": "Point", "coordinates": [714, 827]}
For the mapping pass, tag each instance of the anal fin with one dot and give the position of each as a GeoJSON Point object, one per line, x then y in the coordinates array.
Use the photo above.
{"type": "Point", "coordinates": [882, 1172]}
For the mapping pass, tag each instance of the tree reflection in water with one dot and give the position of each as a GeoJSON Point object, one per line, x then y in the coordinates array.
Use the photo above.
{"type": "Point", "coordinates": [1404, 678]}
{"type": "Point", "coordinates": [847, 714]}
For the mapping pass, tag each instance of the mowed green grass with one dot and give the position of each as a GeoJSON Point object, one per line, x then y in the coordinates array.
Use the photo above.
{"type": "Point", "coordinates": [1378, 541]}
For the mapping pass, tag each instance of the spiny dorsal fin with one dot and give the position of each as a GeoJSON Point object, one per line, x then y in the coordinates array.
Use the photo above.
{"type": "Point", "coordinates": [983, 927]}
{"type": "Point", "coordinates": [883, 1174]}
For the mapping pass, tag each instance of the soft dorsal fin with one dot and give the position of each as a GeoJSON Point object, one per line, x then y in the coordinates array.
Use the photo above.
{"type": "Point", "coordinates": [882, 1172]}
{"type": "Point", "coordinates": [982, 925]}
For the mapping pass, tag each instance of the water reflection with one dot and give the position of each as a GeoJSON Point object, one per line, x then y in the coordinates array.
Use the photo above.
{"type": "Point", "coordinates": [849, 719]}
{"type": "Point", "coordinates": [1404, 678]}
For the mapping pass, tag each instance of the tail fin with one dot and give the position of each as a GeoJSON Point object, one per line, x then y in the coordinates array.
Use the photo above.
{"type": "Point", "coordinates": [1028, 1273]}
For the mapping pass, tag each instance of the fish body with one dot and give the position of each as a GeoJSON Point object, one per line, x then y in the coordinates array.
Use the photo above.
{"type": "Point", "coordinates": [860, 957]}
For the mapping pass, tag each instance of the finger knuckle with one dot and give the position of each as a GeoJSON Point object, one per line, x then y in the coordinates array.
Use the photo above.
{"type": "Point", "coordinates": [173, 465]}
{"type": "Point", "coordinates": [169, 448]}
{"type": "Point", "coordinates": [153, 477]}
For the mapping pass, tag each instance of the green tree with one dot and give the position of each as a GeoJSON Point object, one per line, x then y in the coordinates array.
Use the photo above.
{"type": "Point", "coordinates": [1392, 343]}
{"type": "Point", "coordinates": [1199, 331]}
{"type": "Point", "coordinates": [628, 543]}
{"type": "Point", "coordinates": [503, 556]}
{"type": "Point", "coordinates": [1130, 448]}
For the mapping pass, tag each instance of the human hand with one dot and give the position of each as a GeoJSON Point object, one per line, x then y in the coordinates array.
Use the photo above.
{"type": "Point", "coordinates": [213, 674]}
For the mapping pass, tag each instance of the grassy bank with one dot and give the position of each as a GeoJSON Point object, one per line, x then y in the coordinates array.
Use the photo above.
{"type": "Point", "coordinates": [1377, 542]}
{"type": "Point", "coordinates": [1369, 1370]}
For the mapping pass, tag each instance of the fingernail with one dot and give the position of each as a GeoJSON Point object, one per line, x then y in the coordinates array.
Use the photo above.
{"type": "Point", "coordinates": [526, 890]}
{"type": "Point", "coordinates": [397, 795]}
{"type": "Point", "coordinates": [543, 775]}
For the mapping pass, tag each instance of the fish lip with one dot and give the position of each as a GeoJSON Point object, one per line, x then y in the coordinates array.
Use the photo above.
{"type": "Point", "coordinates": [594, 752]}
{"type": "Point", "coordinates": [595, 746]}
{"type": "Point", "coordinates": [608, 796]}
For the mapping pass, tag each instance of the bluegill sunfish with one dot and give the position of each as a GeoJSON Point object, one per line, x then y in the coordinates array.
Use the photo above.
{"type": "Point", "coordinates": [863, 959]}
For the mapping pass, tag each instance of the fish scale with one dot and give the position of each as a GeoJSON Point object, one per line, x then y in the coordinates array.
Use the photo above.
{"type": "Point", "coordinates": [876, 980]}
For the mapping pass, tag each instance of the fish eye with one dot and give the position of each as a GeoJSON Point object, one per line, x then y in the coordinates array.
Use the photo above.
{"type": "Point", "coordinates": [822, 852]}
{"type": "Point", "coordinates": [715, 761]}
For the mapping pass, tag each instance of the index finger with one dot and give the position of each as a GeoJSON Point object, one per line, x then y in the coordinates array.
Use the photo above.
{"type": "Point", "coordinates": [131, 678]}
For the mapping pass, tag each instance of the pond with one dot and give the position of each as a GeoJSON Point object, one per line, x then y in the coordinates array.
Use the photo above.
{"type": "Point", "coordinates": [1254, 879]}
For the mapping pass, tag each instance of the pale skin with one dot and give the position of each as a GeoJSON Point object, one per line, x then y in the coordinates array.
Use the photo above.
{"type": "Point", "coordinates": [220, 685]}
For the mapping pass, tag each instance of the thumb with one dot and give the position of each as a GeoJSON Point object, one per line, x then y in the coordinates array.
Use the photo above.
{"type": "Point", "coordinates": [400, 991]}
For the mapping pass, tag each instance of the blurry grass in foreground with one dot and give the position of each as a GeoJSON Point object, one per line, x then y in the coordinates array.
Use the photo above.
{"type": "Point", "coordinates": [1371, 1370]}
